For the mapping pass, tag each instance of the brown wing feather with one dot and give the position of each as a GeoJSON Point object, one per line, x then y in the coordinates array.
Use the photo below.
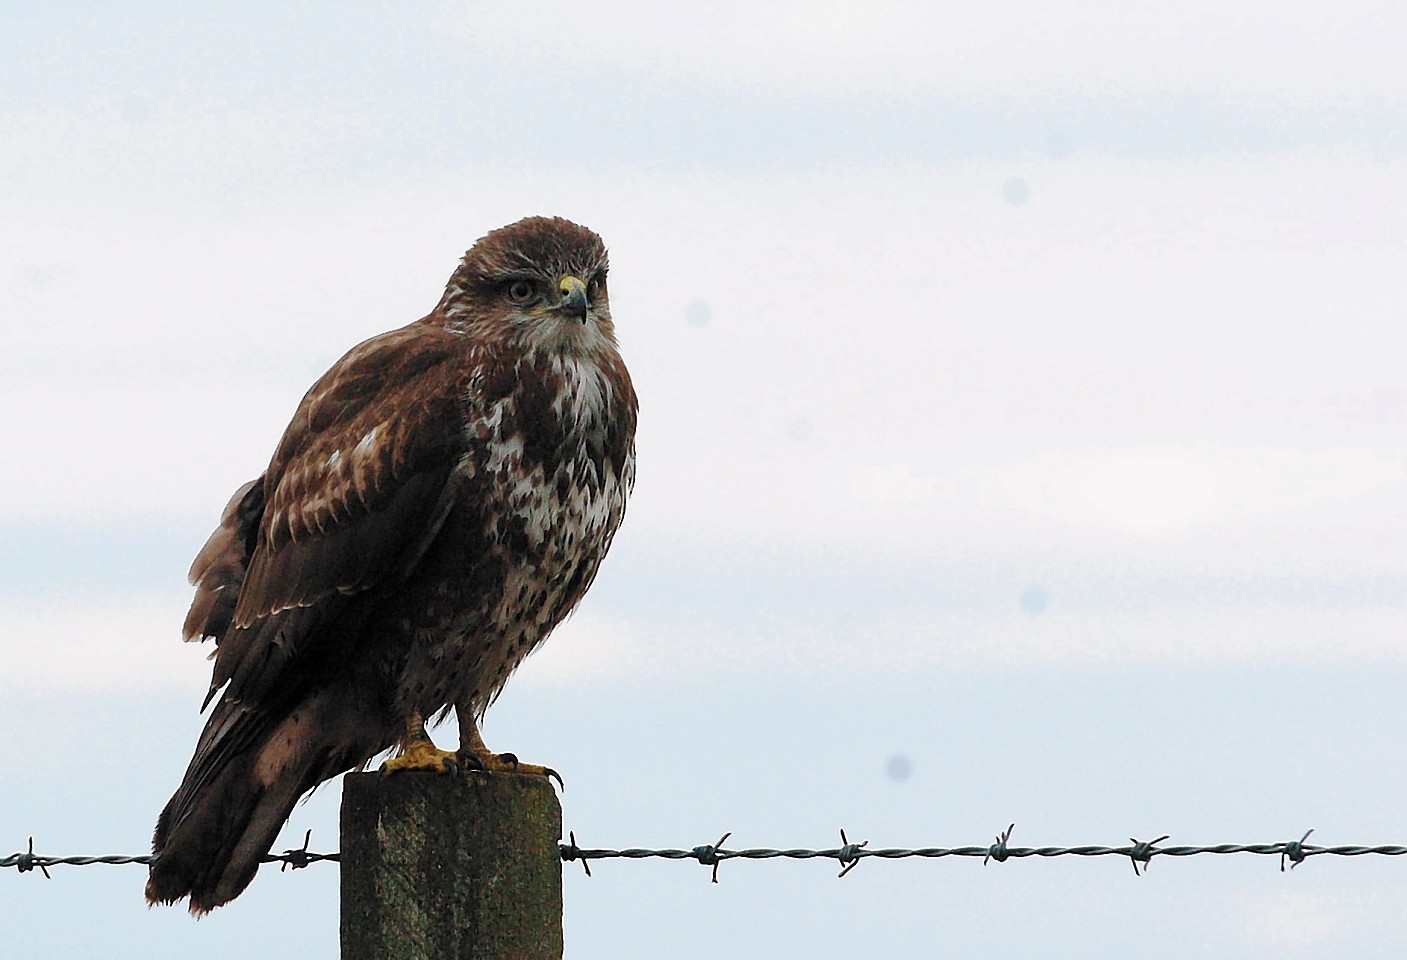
{"type": "Point", "coordinates": [358, 471]}
{"type": "Point", "coordinates": [219, 568]}
{"type": "Point", "coordinates": [335, 514]}
{"type": "Point", "coordinates": [354, 495]}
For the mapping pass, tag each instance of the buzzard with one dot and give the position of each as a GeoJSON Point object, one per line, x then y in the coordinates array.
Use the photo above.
{"type": "Point", "coordinates": [441, 500]}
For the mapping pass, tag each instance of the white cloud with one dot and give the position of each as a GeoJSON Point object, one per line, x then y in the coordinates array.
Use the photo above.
{"type": "Point", "coordinates": [891, 355]}
{"type": "Point", "coordinates": [1289, 918]}
{"type": "Point", "coordinates": [868, 645]}
{"type": "Point", "coordinates": [897, 364]}
{"type": "Point", "coordinates": [58, 643]}
{"type": "Point", "coordinates": [1312, 50]}
{"type": "Point", "coordinates": [81, 643]}
{"type": "Point", "coordinates": [1149, 491]}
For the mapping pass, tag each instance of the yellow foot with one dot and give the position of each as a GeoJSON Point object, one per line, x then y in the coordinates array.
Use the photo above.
{"type": "Point", "coordinates": [423, 755]}
{"type": "Point", "coordinates": [505, 763]}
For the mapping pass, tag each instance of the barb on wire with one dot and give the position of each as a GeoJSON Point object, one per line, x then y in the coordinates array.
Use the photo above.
{"type": "Point", "coordinates": [1143, 853]}
{"type": "Point", "coordinates": [711, 854]}
{"type": "Point", "coordinates": [573, 852]}
{"type": "Point", "coordinates": [1295, 851]}
{"type": "Point", "coordinates": [299, 858]}
{"type": "Point", "coordinates": [997, 851]}
{"type": "Point", "coordinates": [26, 862]}
{"type": "Point", "coordinates": [849, 853]}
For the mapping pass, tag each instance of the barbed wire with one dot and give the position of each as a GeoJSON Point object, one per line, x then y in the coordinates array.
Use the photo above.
{"type": "Point", "coordinates": [1139, 852]}
{"type": "Point", "coordinates": [29, 860]}
{"type": "Point", "coordinates": [848, 855]}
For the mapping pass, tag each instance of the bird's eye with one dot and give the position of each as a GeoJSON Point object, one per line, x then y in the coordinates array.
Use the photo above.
{"type": "Point", "coordinates": [520, 291]}
{"type": "Point", "coordinates": [595, 287]}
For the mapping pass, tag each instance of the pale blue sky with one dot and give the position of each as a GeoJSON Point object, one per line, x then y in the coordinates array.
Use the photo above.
{"type": "Point", "coordinates": [1047, 429]}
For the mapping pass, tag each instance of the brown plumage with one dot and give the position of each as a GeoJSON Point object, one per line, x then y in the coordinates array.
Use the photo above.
{"type": "Point", "coordinates": [441, 500]}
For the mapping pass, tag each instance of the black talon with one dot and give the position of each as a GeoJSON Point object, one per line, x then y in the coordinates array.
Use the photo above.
{"type": "Point", "coordinates": [554, 775]}
{"type": "Point", "coordinates": [509, 758]}
{"type": "Point", "coordinates": [472, 761]}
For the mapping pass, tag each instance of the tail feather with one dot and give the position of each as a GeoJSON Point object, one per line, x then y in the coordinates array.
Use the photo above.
{"type": "Point", "coordinates": [247, 774]}
{"type": "Point", "coordinates": [196, 855]}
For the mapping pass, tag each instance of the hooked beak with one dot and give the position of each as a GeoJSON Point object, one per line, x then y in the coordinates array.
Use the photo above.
{"type": "Point", "coordinates": [574, 302]}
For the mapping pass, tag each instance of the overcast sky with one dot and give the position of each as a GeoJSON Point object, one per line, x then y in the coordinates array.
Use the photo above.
{"type": "Point", "coordinates": [1023, 437]}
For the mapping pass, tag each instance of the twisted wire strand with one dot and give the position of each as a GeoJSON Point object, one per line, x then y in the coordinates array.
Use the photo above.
{"type": "Point", "coordinates": [570, 853]}
{"type": "Point", "coordinates": [848, 854]}
{"type": "Point", "coordinates": [29, 860]}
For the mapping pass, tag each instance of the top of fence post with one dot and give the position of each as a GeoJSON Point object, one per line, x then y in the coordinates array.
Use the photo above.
{"type": "Point", "coordinates": [439, 866]}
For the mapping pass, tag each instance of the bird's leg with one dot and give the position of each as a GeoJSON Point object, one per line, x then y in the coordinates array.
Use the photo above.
{"type": "Point", "coordinates": [476, 756]}
{"type": "Point", "coordinates": [418, 752]}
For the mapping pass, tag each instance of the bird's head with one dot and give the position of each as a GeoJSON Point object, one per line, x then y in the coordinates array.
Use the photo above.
{"type": "Point", "coordinates": [539, 283]}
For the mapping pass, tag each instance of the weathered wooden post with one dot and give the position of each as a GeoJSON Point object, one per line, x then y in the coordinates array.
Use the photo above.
{"type": "Point", "coordinates": [438, 867]}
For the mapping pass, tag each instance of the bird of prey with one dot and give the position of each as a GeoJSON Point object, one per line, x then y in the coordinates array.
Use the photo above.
{"type": "Point", "coordinates": [441, 500]}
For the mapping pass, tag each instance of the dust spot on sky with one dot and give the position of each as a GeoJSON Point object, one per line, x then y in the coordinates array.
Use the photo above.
{"type": "Point", "coordinates": [1016, 191]}
{"type": "Point", "coordinates": [1034, 600]}
{"type": "Point", "coordinates": [697, 314]}
{"type": "Point", "coordinates": [898, 768]}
